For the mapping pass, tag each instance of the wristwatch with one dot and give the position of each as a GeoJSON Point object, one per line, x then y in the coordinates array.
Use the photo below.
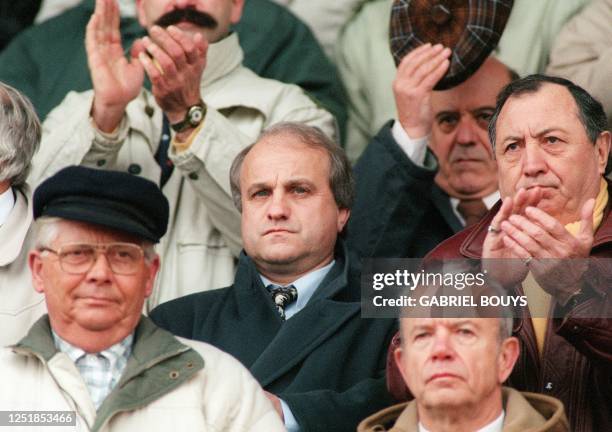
{"type": "Point", "coordinates": [195, 115]}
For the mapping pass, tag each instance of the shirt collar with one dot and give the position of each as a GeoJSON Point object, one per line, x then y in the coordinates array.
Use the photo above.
{"type": "Point", "coordinates": [489, 201]}
{"type": "Point", "coordinates": [122, 348]}
{"type": "Point", "coordinates": [306, 285]}
{"type": "Point", "coordinates": [7, 202]}
{"type": "Point", "coordinates": [495, 426]}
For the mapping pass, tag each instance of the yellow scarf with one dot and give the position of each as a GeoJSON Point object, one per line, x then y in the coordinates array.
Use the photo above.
{"type": "Point", "coordinates": [538, 299]}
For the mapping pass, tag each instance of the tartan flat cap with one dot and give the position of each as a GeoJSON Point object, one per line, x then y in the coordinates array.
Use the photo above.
{"type": "Point", "coordinates": [112, 199]}
{"type": "Point", "coordinates": [471, 28]}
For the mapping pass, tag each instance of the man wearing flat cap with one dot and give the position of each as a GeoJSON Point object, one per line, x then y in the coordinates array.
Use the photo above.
{"type": "Point", "coordinates": [20, 305]}
{"type": "Point", "coordinates": [94, 355]}
{"type": "Point", "coordinates": [431, 172]}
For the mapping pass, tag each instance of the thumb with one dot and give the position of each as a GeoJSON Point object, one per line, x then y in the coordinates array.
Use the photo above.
{"type": "Point", "coordinates": [586, 218]}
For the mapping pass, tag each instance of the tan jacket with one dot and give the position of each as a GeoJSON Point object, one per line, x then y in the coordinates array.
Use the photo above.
{"type": "Point", "coordinates": [198, 252]}
{"type": "Point", "coordinates": [583, 53]}
{"type": "Point", "coordinates": [168, 384]}
{"type": "Point", "coordinates": [525, 412]}
{"type": "Point", "coordinates": [20, 305]}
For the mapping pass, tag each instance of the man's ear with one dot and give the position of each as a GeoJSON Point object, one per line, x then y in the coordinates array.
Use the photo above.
{"type": "Point", "coordinates": [236, 14]}
{"type": "Point", "coordinates": [603, 144]}
{"type": "Point", "coordinates": [36, 264]}
{"type": "Point", "coordinates": [343, 217]}
{"type": "Point", "coordinates": [153, 268]}
{"type": "Point", "coordinates": [508, 355]}
{"type": "Point", "coordinates": [398, 357]}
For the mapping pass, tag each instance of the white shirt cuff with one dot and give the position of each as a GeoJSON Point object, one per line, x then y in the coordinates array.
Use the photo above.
{"type": "Point", "coordinates": [415, 148]}
{"type": "Point", "coordinates": [290, 421]}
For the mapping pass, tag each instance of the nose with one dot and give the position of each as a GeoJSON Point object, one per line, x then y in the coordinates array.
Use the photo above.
{"type": "Point", "coordinates": [441, 348]}
{"type": "Point", "coordinates": [466, 131]}
{"type": "Point", "coordinates": [534, 163]}
{"type": "Point", "coordinates": [279, 207]}
{"type": "Point", "coordinates": [100, 271]}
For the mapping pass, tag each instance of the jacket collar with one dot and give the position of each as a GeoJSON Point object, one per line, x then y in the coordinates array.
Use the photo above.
{"type": "Point", "coordinates": [222, 58]}
{"type": "Point", "coordinates": [13, 232]}
{"type": "Point", "coordinates": [248, 285]}
{"type": "Point", "coordinates": [274, 347]}
{"type": "Point", "coordinates": [524, 411]}
{"type": "Point", "coordinates": [168, 364]}
{"type": "Point", "coordinates": [471, 247]}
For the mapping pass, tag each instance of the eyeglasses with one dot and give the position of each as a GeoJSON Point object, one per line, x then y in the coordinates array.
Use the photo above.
{"type": "Point", "coordinates": [79, 258]}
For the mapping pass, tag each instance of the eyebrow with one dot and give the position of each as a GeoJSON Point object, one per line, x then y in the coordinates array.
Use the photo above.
{"type": "Point", "coordinates": [537, 135]}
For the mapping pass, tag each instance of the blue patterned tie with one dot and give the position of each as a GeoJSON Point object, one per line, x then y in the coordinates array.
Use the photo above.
{"type": "Point", "coordinates": [282, 297]}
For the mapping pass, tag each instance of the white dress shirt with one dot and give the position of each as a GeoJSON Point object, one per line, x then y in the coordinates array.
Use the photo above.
{"type": "Point", "coordinates": [306, 287]}
{"type": "Point", "coordinates": [7, 202]}
{"type": "Point", "coordinates": [416, 149]}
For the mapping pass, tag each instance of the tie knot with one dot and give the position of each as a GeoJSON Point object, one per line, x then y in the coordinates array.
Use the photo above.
{"type": "Point", "coordinates": [282, 296]}
{"type": "Point", "coordinates": [472, 210]}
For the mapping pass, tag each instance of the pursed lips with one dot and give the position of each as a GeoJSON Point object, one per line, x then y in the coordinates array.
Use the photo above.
{"type": "Point", "coordinates": [441, 375]}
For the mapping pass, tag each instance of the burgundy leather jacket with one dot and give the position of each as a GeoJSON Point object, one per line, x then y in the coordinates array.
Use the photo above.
{"type": "Point", "coordinates": [576, 363]}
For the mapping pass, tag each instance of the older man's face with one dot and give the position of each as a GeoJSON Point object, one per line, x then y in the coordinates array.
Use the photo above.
{"type": "Point", "coordinates": [212, 18]}
{"type": "Point", "coordinates": [451, 363]}
{"type": "Point", "coordinates": [290, 219]}
{"type": "Point", "coordinates": [98, 300]}
{"type": "Point", "coordinates": [541, 144]}
{"type": "Point", "coordinates": [459, 133]}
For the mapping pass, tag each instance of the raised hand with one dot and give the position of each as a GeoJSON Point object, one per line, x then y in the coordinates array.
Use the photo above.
{"type": "Point", "coordinates": [501, 261]}
{"type": "Point", "coordinates": [116, 81]}
{"type": "Point", "coordinates": [416, 76]}
{"type": "Point", "coordinates": [559, 258]}
{"type": "Point", "coordinates": [174, 64]}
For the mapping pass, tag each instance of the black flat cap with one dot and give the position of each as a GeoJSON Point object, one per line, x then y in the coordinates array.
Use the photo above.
{"type": "Point", "coordinates": [111, 199]}
{"type": "Point", "coordinates": [470, 28]}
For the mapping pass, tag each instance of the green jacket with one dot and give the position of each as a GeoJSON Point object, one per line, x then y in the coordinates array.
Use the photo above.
{"type": "Point", "coordinates": [48, 60]}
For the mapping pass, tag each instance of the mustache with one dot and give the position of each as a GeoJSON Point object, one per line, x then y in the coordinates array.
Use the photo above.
{"type": "Point", "coordinates": [472, 152]}
{"type": "Point", "coordinates": [190, 15]}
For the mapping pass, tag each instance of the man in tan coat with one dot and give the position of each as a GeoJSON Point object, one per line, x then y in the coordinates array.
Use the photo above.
{"type": "Point", "coordinates": [455, 368]}
{"type": "Point", "coordinates": [95, 362]}
{"type": "Point", "coordinates": [20, 133]}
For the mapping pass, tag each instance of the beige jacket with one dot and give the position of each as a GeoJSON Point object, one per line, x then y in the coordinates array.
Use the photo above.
{"type": "Point", "coordinates": [20, 305]}
{"type": "Point", "coordinates": [525, 412]}
{"type": "Point", "coordinates": [168, 384]}
{"type": "Point", "coordinates": [198, 252]}
{"type": "Point", "coordinates": [583, 52]}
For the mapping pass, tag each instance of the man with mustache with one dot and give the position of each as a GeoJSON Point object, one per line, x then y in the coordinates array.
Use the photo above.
{"type": "Point", "coordinates": [203, 108]}
{"type": "Point", "coordinates": [292, 314]}
{"type": "Point", "coordinates": [550, 237]}
{"type": "Point", "coordinates": [455, 368]}
{"type": "Point", "coordinates": [431, 172]}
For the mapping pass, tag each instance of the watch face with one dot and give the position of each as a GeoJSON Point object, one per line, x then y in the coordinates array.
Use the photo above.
{"type": "Point", "coordinates": [195, 115]}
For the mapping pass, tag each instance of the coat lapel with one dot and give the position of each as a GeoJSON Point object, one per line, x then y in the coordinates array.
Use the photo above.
{"type": "Point", "coordinates": [300, 335]}
{"type": "Point", "coordinates": [442, 202]}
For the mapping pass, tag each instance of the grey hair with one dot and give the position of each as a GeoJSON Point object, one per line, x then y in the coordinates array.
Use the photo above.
{"type": "Point", "coordinates": [506, 324]}
{"type": "Point", "coordinates": [46, 231]}
{"type": "Point", "coordinates": [341, 180]}
{"type": "Point", "coordinates": [20, 133]}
